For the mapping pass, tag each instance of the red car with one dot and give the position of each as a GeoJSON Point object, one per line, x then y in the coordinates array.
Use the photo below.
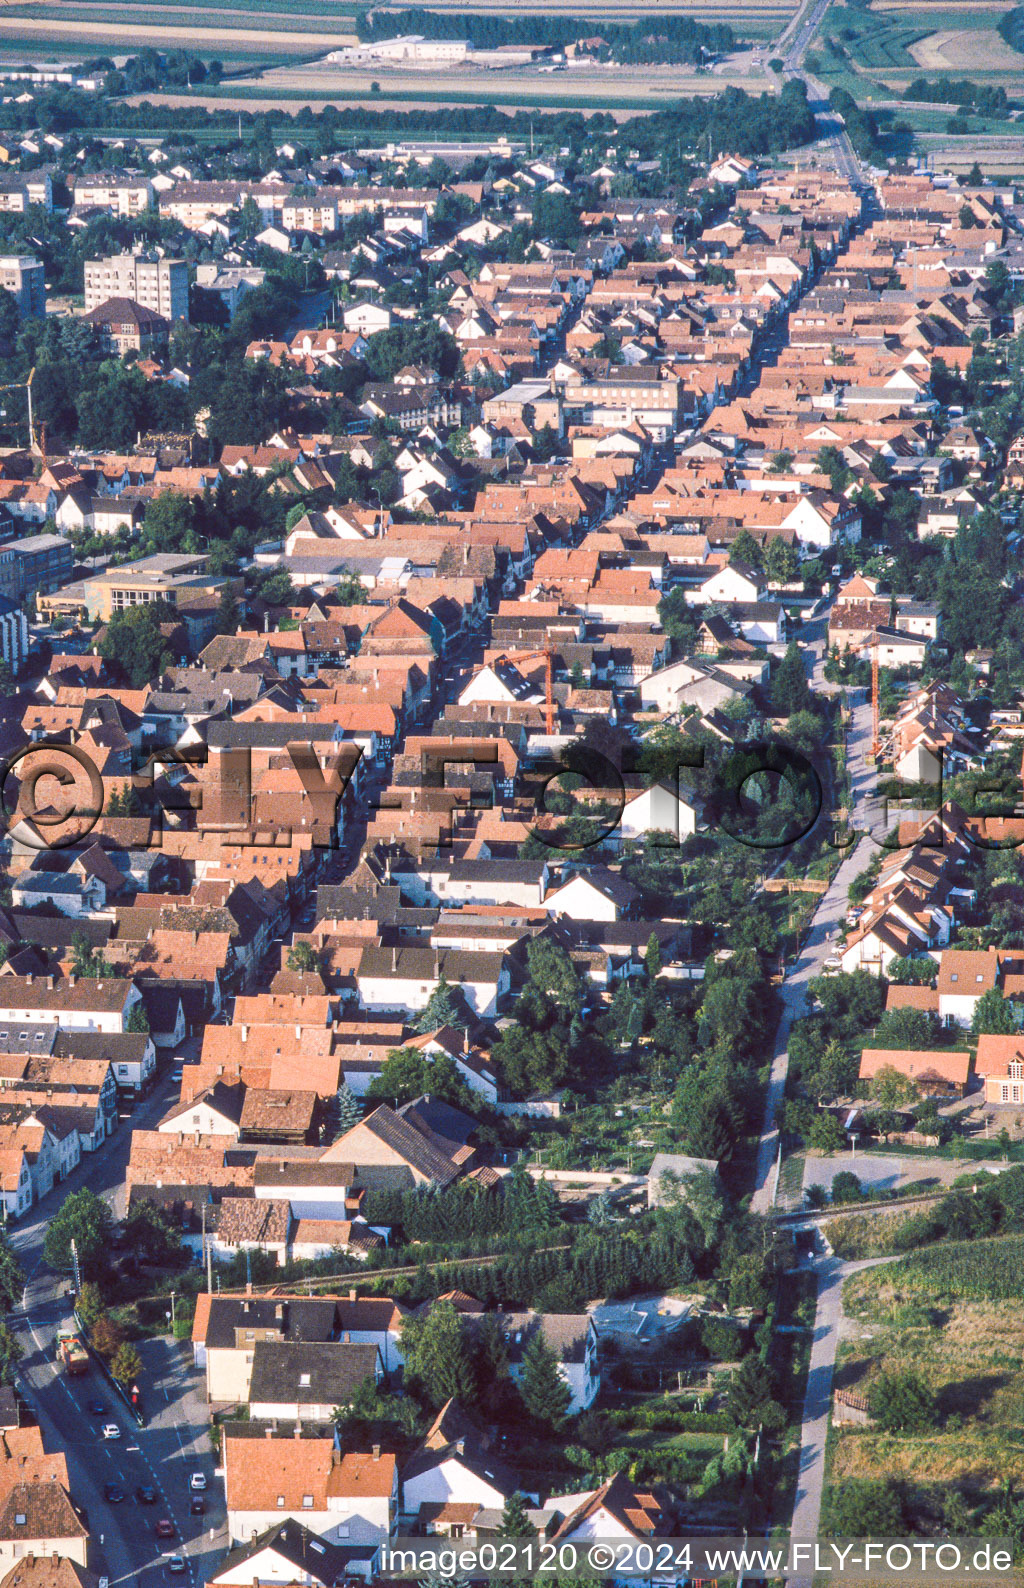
{"type": "Point", "coordinates": [164, 1528]}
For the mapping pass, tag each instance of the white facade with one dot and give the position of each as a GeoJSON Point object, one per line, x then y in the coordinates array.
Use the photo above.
{"type": "Point", "coordinates": [158, 284]}
{"type": "Point", "coordinates": [658, 809]}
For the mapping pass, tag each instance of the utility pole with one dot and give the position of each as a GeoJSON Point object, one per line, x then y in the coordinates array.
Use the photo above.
{"type": "Point", "coordinates": [208, 1254]}
{"type": "Point", "coordinates": [74, 1262]}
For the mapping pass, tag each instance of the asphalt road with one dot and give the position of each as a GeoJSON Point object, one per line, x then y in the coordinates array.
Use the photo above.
{"type": "Point", "coordinates": [832, 1275]}
{"type": "Point", "coordinates": [866, 817]}
{"type": "Point", "coordinates": [174, 1441]}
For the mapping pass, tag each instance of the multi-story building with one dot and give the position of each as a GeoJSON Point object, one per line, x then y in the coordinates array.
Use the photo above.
{"type": "Point", "coordinates": [168, 576]}
{"type": "Point", "coordinates": [24, 188]}
{"type": "Point", "coordinates": [44, 563]}
{"type": "Point", "coordinates": [25, 279]}
{"type": "Point", "coordinates": [106, 190]}
{"type": "Point", "coordinates": [122, 326]}
{"type": "Point", "coordinates": [160, 285]}
{"type": "Point", "coordinates": [13, 635]}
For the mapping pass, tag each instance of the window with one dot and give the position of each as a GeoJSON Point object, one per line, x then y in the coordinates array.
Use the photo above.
{"type": "Point", "coordinates": [979, 978]}
{"type": "Point", "coordinates": [954, 976]}
{"type": "Point", "coordinates": [304, 1381]}
{"type": "Point", "coordinates": [280, 1499]}
{"type": "Point", "coordinates": [307, 1502]}
{"type": "Point", "coordinates": [1016, 1070]}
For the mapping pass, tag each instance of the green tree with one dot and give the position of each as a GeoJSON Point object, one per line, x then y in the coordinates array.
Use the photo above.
{"type": "Point", "coordinates": [87, 1220]}
{"type": "Point", "coordinates": [901, 1402]}
{"type": "Point", "coordinates": [12, 1277]}
{"type": "Point", "coordinates": [864, 1508]}
{"type": "Point", "coordinates": [545, 1393]}
{"type": "Point", "coordinates": [652, 957]}
{"type": "Point", "coordinates": [893, 1090]}
{"type": "Point", "coordinates": [301, 957]}
{"type": "Point", "coordinates": [515, 1522]}
{"type": "Point", "coordinates": [127, 1364]}
{"type": "Point", "coordinates": [826, 1133]}
{"type": "Point", "coordinates": [781, 562]}
{"type": "Point", "coordinates": [750, 1400]}
{"type": "Point", "coordinates": [138, 1020]}
{"type": "Point", "coordinates": [346, 1108]}
{"type": "Point", "coordinates": [89, 1304]}
{"type": "Point", "coordinates": [790, 691]}
{"type": "Point", "coordinates": [745, 550]}
{"type": "Point", "coordinates": [85, 961]}
{"type": "Point", "coordinates": [133, 644]}
{"type": "Point", "coordinates": [10, 1354]}
{"type": "Point", "coordinates": [437, 1355]}
{"type": "Point", "coordinates": [905, 1028]}
{"type": "Point", "coordinates": [444, 1007]}
{"type": "Point", "coordinates": [993, 1015]}
{"type": "Point", "coordinates": [106, 1336]}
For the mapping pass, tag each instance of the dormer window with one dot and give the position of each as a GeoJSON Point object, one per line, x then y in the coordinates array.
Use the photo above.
{"type": "Point", "coordinates": [307, 1502]}
{"type": "Point", "coordinates": [954, 976]}
{"type": "Point", "coordinates": [304, 1381]}
{"type": "Point", "coordinates": [280, 1499]}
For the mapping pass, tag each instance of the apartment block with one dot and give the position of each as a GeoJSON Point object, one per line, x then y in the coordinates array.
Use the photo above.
{"type": "Point", "coordinates": [25, 279]}
{"type": "Point", "coordinates": [157, 284]}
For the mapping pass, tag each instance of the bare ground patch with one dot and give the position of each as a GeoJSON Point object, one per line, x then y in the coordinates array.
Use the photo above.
{"type": "Point", "coordinates": [965, 50]}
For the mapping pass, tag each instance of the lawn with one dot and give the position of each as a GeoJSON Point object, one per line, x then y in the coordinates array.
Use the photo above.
{"type": "Point", "coordinates": [970, 1355]}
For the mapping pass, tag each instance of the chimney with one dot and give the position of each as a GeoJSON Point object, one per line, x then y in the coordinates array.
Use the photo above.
{"type": "Point", "coordinates": [279, 1312]}
{"type": "Point", "coordinates": [298, 1033]}
{"type": "Point", "coordinates": [245, 1033]}
{"type": "Point", "coordinates": [268, 1433]}
{"type": "Point", "coordinates": [49, 984]}
{"type": "Point", "coordinates": [71, 980]}
{"type": "Point", "coordinates": [376, 1452]}
{"type": "Point", "coordinates": [297, 1430]}
{"type": "Point", "coordinates": [351, 1295]}
{"type": "Point", "coordinates": [248, 1291]}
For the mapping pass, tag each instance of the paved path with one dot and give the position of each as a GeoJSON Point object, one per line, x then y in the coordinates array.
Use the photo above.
{"type": "Point", "coordinates": [831, 1274]}
{"type": "Point", "coordinates": [825, 922]}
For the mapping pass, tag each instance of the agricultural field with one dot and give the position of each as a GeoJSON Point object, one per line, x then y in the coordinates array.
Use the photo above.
{"type": "Point", "coordinates": [888, 45]}
{"type": "Point", "coordinates": [279, 42]}
{"type": "Point", "coordinates": [965, 1340]}
{"type": "Point", "coordinates": [239, 32]}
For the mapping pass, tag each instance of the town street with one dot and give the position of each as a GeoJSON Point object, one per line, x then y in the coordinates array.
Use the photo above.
{"type": "Point", "coordinates": [174, 1441]}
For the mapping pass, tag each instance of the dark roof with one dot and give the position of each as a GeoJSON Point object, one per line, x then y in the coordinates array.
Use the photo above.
{"type": "Point", "coordinates": [301, 1320]}
{"type": "Point", "coordinates": [323, 1373]}
{"type": "Point", "coordinates": [453, 1435]}
{"type": "Point", "coordinates": [421, 1152]}
{"type": "Point", "coordinates": [310, 1557]}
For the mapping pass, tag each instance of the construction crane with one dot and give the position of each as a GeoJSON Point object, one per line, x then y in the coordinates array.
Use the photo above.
{"type": "Point", "coordinates": [546, 655]}
{"type": "Point", "coordinates": [26, 387]}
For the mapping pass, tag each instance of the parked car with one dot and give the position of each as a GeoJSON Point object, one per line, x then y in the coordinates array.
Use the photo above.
{"type": "Point", "coordinates": [113, 1492]}
{"type": "Point", "coordinates": [197, 1481]}
{"type": "Point", "coordinates": [197, 1505]}
{"type": "Point", "coordinates": [97, 1408]}
{"type": "Point", "coordinates": [146, 1494]}
{"type": "Point", "coordinates": [111, 1431]}
{"type": "Point", "coordinates": [164, 1528]}
{"type": "Point", "coordinates": [175, 1565]}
